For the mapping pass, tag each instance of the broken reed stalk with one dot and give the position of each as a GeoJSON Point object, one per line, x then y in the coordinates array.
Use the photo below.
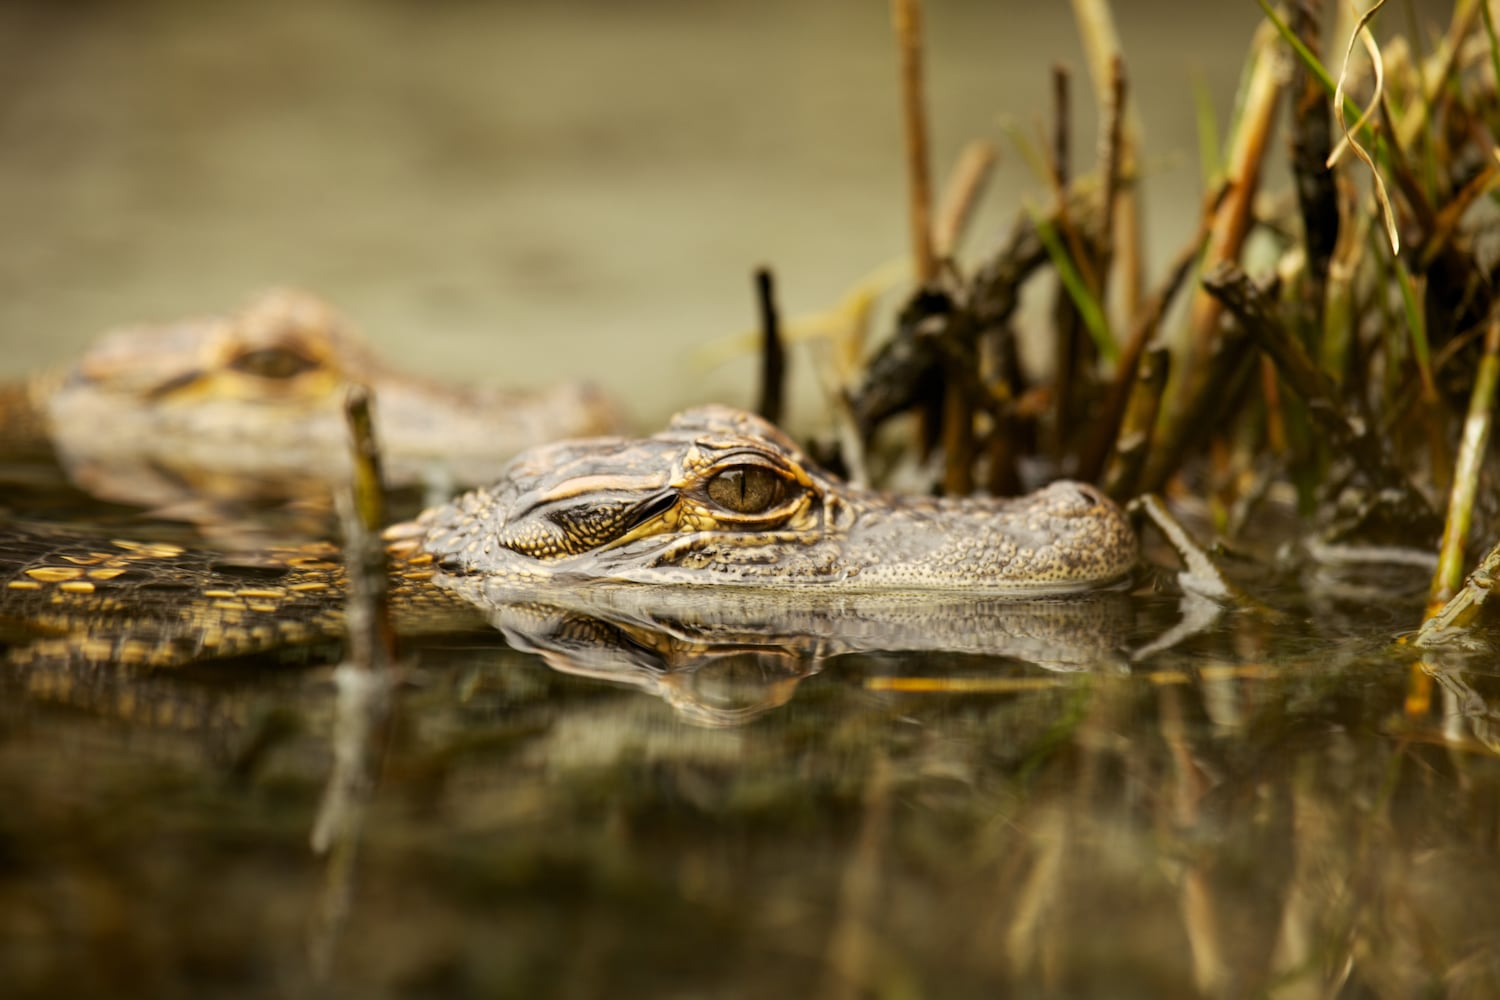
{"type": "Point", "coordinates": [1337, 335]}
{"type": "Point", "coordinates": [772, 351]}
{"type": "Point", "coordinates": [1134, 440]}
{"type": "Point", "coordinates": [1084, 271]}
{"type": "Point", "coordinates": [1076, 283]}
{"type": "Point", "coordinates": [1062, 148]}
{"type": "Point", "coordinates": [1058, 172]}
{"type": "Point", "coordinates": [1414, 298]}
{"type": "Point", "coordinates": [1256, 313]}
{"type": "Point", "coordinates": [1489, 32]}
{"type": "Point", "coordinates": [1003, 446]}
{"type": "Point", "coordinates": [1242, 172]}
{"type": "Point", "coordinates": [1067, 320]}
{"type": "Point", "coordinates": [372, 643]}
{"type": "Point", "coordinates": [958, 436]}
{"type": "Point", "coordinates": [1471, 451]}
{"type": "Point", "coordinates": [1317, 192]}
{"type": "Point", "coordinates": [1275, 419]}
{"type": "Point", "coordinates": [1202, 391]}
{"type": "Point", "coordinates": [1106, 429]}
{"type": "Point", "coordinates": [960, 400]}
{"type": "Point", "coordinates": [995, 290]}
{"type": "Point", "coordinates": [1210, 362]}
{"type": "Point", "coordinates": [1111, 159]}
{"type": "Point", "coordinates": [960, 195]}
{"type": "Point", "coordinates": [906, 16]}
{"type": "Point", "coordinates": [364, 680]}
{"type": "Point", "coordinates": [1106, 61]}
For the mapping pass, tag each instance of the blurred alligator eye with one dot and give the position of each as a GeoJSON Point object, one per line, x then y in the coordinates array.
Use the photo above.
{"type": "Point", "coordinates": [745, 489]}
{"type": "Point", "coordinates": [272, 362]}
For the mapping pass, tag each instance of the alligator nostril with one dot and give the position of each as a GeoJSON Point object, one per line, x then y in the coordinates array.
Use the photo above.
{"type": "Point", "coordinates": [1087, 496]}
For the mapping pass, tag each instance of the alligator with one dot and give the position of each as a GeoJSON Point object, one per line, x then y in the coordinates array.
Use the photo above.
{"type": "Point", "coordinates": [723, 496]}
{"type": "Point", "coordinates": [250, 406]}
{"type": "Point", "coordinates": [719, 505]}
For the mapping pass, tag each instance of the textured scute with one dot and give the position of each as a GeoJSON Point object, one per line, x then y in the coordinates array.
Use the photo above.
{"type": "Point", "coordinates": [568, 513]}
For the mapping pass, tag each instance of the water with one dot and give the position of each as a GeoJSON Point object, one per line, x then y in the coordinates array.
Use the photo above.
{"type": "Point", "coordinates": [730, 794]}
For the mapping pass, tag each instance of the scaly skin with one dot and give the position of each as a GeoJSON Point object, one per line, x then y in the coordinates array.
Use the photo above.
{"type": "Point", "coordinates": [68, 598]}
{"type": "Point", "coordinates": [654, 511]}
{"type": "Point", "coordinates": [721, 504]}
{"type": "Point", "coordinates": [250, 406]}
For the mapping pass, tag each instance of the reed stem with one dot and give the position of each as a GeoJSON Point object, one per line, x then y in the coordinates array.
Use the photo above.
{"type": "Point", "coordinates": [907, 18]}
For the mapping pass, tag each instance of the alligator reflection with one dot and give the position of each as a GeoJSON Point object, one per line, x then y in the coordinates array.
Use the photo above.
{"type": "Point", "coordinates": [726, 661]}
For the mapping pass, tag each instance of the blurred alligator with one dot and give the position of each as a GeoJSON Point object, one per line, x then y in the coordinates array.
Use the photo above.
{"type": "Point", "coordinates": [250, 407]}
{"type": "Point", "coordinates": [719, 505]}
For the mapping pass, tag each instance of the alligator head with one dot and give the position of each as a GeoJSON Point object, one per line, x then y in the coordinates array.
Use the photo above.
{"type": "Point", "coordinates": [723, 497]}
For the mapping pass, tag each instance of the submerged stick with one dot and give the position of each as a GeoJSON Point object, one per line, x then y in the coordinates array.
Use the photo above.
{"type": "Point", "coordinates": [1199, 574]}
{"type": "Point", "coordinates": [364, 678]}
{"type": "Point", "coordinates": [772, 351]}
{"type": "Point", "coordinates": [372, 640]}
{"type": "Point", "coordinates": [364, 682]}
{"type": "Point", "coordinates": [906, 16]}
{"type": "Point", "coordinates": [371, 637]}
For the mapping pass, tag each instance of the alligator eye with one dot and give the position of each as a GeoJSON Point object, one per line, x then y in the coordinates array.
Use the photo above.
{"type": "Point", "coordinates": [745, 489]}
{"type": "Point", "coordinates": [272, 363]}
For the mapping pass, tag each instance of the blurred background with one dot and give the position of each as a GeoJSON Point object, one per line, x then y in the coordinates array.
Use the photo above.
{"type": "Point", "coordinates": [520, 193]}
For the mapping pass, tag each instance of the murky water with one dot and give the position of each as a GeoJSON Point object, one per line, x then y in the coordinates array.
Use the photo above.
{"type": "Point", "coordinates": [1115, 795]}
{"type": "Point", "coordinates": [702, 803]}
